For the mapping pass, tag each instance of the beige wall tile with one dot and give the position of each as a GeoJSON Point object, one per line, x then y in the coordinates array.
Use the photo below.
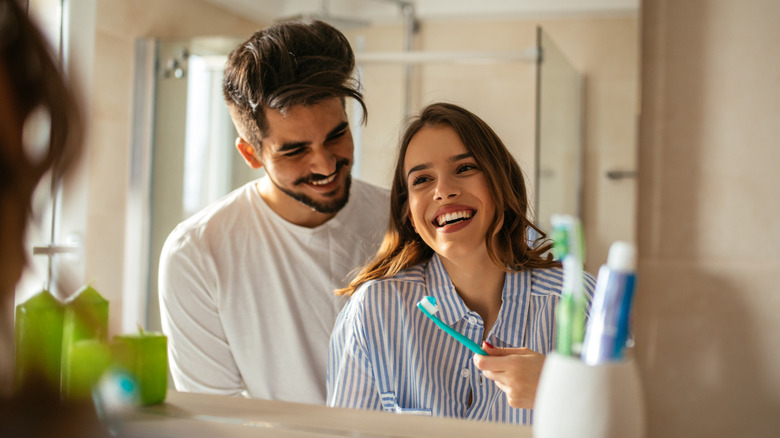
{"type": "Point", "coordinates": [113, 77]}
{"type": "Point", "coordinates": [707, 360]}
{"type": "Point", "coordinates": [104, 245]}
{"type": "Point", "coordinates": [706, 313]}
{"type": "Point", "coordinates": [170, 18]}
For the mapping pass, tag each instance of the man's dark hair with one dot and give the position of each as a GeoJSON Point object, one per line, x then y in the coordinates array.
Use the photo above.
{"type": "Point", "coordinates": [285, 65]}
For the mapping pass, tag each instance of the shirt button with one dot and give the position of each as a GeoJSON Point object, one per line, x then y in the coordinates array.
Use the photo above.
{"type": "Point", "coordinates": [472, 320]}
{"type": "Point", "coordinates": [465, 373]}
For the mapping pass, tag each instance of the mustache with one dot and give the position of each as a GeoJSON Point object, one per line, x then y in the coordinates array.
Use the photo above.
{"type": "Point", "coordinates": [344, 162]}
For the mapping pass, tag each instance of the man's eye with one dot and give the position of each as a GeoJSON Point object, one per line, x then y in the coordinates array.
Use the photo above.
{"type": "Point", "coordinates": [336, 136]}
{"type": "Point", "coordinates": [293, 152]}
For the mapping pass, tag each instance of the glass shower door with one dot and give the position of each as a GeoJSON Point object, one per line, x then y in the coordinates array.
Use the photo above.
{"type": "Point", "coordinates": [558, 134]}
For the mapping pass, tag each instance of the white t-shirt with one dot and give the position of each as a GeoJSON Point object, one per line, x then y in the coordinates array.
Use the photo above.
{"type": "Point", "coordinates": [247, 299]}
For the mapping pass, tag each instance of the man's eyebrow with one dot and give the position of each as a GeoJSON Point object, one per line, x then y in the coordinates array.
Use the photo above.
{"type": "Point", "coordinates": [335, 132]}
{"type": "Point", "coordinates": [452, 159]}
{"type": "Point", "coordinates": [285, 147]}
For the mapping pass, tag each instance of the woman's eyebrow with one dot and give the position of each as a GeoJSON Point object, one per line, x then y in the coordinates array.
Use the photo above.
{"type": "Point", "coordinates": [452, 159]}
{"type": "Point", "coordinates": [460, 157]}
{"type": "Point", "coordinates": [419, 167]}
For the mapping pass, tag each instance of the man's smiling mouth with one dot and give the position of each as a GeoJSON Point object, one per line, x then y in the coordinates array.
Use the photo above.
{"type": "Point", "coordinates": [324, 181]}
{"type": "Point", "coordinates": [453, 217]}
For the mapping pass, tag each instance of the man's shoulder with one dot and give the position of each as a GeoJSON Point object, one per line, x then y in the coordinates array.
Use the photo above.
{"type": "Point", "coordinates": [368, 202]}
{"type": "Point", "coordinates": [213, 218]}
{"type": "Point", "coordinates": [367, 192]}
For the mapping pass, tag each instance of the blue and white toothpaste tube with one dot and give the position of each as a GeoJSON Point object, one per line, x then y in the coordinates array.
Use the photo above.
{"type": "Point", "coordinates": [608, 329]}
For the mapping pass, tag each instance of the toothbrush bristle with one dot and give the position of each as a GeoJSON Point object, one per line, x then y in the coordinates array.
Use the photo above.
{"type": "Point", "coordinates": [428, 305]}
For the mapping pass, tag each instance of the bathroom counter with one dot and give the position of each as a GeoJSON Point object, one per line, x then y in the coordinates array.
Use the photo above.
{"type": "Point", "coordinates": [200, 415]}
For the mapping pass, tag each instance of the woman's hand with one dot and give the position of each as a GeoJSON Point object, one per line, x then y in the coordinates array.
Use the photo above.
{"type": "Point", "coordinates": [516, 371]}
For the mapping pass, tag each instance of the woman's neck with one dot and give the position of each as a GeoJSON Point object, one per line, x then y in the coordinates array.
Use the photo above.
{"type": "Point", "coordinates": [479, 282]}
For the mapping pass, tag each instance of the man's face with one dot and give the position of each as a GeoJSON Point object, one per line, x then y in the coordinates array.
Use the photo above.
{"type": "Point", "coordinates": [307, 154]}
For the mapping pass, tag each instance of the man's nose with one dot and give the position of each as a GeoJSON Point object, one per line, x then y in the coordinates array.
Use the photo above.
{"type": "Point", "coordinates": [323, 161]}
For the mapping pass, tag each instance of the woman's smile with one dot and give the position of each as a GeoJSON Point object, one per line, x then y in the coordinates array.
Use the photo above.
{"type": "Point", "coordinates": [452, 218]}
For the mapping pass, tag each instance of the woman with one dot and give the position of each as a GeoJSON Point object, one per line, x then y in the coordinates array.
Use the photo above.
{"type": "Point", "coordinates": [458, 232]}
{"type": "Point", "coordinates": [40, 134]}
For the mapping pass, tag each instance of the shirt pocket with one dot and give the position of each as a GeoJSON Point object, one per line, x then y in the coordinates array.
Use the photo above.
{"type": "Point", "coordinates": [389, 404]}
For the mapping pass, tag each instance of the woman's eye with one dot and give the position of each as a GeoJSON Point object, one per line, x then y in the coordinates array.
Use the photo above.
{"type": "Point", "coordinates": [466, 167]}
{"type": "Point", "coordinates": [419, 180]}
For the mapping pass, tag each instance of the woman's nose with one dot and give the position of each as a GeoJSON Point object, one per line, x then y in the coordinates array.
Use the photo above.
{"type": "Point", "coordinates": [445, 189]}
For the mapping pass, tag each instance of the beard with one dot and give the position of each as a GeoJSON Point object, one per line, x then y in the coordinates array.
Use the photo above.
{"type": "Point", "coordinates": [327, 207]}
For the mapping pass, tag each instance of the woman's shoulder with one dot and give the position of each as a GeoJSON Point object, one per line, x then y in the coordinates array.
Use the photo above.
{"type": "Point", "coordinates": [410, 276]}
{"type": "Point", "coordinates": [546, 280]}
{"type": "Point", "coordinates": [398, 289]}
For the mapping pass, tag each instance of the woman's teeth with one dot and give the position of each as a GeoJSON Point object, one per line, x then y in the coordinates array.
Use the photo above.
{"type": "Point", "coordinates": [453, 217]}
{"type": "Point", "coordinates": [322, 182]}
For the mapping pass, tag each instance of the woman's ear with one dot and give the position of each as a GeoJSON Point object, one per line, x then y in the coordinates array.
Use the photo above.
{"type": "Point", "coordinates": [249, 153]}
{"type": "Point", "coordinates": [411, 221]}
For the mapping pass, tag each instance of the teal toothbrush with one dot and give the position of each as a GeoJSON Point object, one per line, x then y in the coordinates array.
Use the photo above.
{"type": "Point", "coordinates": [428, 306]}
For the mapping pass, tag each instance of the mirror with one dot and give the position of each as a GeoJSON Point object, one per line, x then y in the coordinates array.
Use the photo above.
{"type": "Point", "coordinates": [560, 91]}
{"type": "Point", "coordinates": [122, 208]}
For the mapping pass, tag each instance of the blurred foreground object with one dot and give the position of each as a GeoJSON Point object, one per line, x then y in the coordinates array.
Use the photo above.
{"type": "Point", "coordinates": [40, 134]}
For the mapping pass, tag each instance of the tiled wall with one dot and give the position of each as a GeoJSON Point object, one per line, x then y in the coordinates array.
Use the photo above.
{"type": "Point", "coordinates": [709, 235]}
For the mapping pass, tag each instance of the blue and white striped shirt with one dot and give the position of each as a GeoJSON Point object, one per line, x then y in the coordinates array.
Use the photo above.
{"type": "Point", "coordinates": [386, 354]}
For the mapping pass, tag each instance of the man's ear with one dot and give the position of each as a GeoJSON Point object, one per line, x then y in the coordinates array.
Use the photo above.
{"type": "Point", "coordinates": [249, 153]}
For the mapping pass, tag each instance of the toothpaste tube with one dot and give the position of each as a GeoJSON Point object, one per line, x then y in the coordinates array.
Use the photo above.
{"type": "Point", "coordinates": [608, 329]}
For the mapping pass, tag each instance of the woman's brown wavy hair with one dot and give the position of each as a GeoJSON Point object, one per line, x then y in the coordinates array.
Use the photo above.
{"type": "Point", "coordinates": [507, 239]}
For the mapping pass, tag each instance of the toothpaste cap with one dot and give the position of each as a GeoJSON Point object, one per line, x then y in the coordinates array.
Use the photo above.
{"type": "Point", "coordinates": [622, 257]}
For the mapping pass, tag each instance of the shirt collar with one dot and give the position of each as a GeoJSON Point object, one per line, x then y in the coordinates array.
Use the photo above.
{"type": "Point", "coordinates": [450, 304]}
{"type": "Point", "coordinates": [514, 307]}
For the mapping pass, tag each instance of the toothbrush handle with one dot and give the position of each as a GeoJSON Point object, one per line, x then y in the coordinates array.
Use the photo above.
{"type": "Point", "coordinates": [471, 345]}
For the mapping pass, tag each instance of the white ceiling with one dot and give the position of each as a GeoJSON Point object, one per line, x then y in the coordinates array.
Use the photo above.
{"type": "Point", "coordinates": [389, 10]}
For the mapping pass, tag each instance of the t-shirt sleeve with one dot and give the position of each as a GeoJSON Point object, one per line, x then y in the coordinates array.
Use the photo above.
{"type": "Point", "coordinates": [199, 354]}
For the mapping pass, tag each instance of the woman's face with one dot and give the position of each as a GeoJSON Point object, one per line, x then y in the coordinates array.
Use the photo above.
{"type": "Point", "coordinates": [450, 203]}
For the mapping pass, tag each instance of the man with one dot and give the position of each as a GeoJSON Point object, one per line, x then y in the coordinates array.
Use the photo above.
{"type": "Point", "coordinates": [246, 285]}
